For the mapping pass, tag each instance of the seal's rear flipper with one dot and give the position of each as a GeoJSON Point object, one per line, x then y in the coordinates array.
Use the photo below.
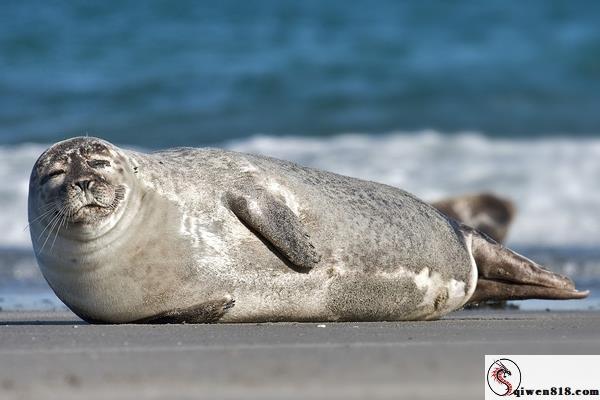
{"type": "Point", "coordinates": [495, 290]}
{"type": "Point", "coordinates": [506, 275]}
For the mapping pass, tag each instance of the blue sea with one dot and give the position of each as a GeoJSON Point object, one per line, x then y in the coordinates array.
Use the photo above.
{"type": "Point", "coordinates": [439, 98]}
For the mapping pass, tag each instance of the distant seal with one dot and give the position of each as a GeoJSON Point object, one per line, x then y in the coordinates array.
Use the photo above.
{"type": "Point", "coordinates": [205, 235]}
{"type": "Point", "coordinates": [486, 212]}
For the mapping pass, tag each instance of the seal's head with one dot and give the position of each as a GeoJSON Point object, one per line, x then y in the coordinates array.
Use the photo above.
{"type": "Point", "coordinates": [82, 182]}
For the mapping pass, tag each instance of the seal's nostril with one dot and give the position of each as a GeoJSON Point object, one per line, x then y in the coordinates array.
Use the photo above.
{"type": "Point", "coordinates": [84, 184]}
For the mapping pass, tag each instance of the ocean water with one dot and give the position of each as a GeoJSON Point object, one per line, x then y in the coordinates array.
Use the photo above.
{"type": "Point", "coordinates": [196, 72]}
{"type": "Point", "coordinates": [439, 98]}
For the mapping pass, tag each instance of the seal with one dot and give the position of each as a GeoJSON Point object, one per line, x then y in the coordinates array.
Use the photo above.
{"type": "Point", "coordinates": [486, 212]}
{"type": "Point", "coordinates": [205, 235]}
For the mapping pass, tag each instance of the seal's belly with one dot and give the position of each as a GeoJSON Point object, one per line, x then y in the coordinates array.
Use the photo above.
{"type": "Point", "coordinates": [331, 294]}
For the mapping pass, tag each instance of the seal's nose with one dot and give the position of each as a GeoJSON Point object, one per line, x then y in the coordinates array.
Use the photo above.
{"type": "Point", "coordinates": [84, 184]}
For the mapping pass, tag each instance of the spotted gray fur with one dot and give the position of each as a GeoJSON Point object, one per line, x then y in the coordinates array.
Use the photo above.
{"type": "Point", "coordinates": [286, 242]}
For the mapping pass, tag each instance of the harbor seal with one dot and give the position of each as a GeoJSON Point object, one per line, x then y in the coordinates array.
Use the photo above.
{"type": "Point", "coordinates": [486, 212]}
{"type": "Point", "coordinates": [206, 235]}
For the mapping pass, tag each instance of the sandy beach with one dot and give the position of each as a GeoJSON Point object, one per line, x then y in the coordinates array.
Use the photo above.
{"type": "Point", "coordinates": [56, 355]}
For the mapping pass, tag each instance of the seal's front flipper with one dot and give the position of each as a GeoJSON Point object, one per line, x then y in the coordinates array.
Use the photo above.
{"type": "Point", "coordinates": [204, 313]}
{"type": "Point", "coordinates": [506, 275]}
{"type": "Point", "coordinates": [277, 224]}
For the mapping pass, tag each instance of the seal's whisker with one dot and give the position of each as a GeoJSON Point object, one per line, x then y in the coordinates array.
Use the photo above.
{"type": "Point", "coordinates": [54, 224]}
{"type": "Point", "coordinates": [50, 225]}
{"type": "Point", "coordinates": [119, 195]}
{"type": "Point", "coordinates": [56, 214]}
{"type": "Point", "coordinates": [45, 213]}
{"type": "Point", "coordinates": [47, 206]}
{"type": "Point", "coordinates": [53, 221]}
{"type": "Point", "coordinates": [63, 220]}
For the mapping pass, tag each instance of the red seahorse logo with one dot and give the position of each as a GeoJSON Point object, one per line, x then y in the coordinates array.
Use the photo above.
{"type": "Point", "coordinates": [504, 377]}
{"type": "Point", "coordinates": [499, 373]}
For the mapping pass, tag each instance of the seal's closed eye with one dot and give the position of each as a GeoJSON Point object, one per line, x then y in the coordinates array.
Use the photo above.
{"type": "Point", "coordinates": [99, 163]}
{"type": "Point", "coordinates": [51, 175]}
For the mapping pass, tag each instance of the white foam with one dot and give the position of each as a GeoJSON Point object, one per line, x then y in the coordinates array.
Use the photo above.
{"type": "Point", "coordinates": [15, 166]}
{"type": "Point", "coordinates": [554, 181]}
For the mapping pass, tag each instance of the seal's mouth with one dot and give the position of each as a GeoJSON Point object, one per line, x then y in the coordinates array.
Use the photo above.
{"type": "Point", "coordinates": [91, 212]}
{"type": "Point", "coordinates": [92, 208]}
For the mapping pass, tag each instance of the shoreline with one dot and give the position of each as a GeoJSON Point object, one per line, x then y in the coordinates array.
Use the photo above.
{"type": "Point", "coordinates": [56, 355]}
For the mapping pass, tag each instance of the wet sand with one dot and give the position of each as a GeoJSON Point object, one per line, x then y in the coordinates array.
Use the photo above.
{"type": "Point", "coordinates": [55, 355]}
